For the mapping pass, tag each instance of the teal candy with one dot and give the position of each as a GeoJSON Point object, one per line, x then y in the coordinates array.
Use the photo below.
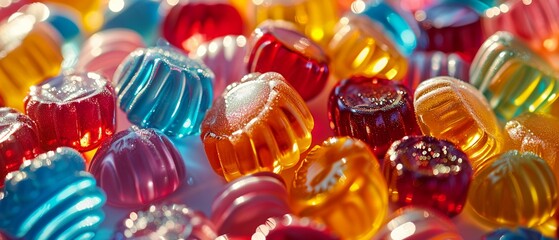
{"type": "Point", "coordinates": [141, 16]}
{"type": "Point", "coordinates": [162, 88]}
{"type": "Point", "coordinates": [52, 197]}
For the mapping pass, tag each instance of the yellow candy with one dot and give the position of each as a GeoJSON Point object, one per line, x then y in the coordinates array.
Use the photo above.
{"type": "Point", "coordinates": [29, 53]}
{"type": "Point", "coordinates": [340, 184]}
{"type": "Point", "coordinates": [90, 11]}
{"type": "Point", "coordinates": [362, 49]}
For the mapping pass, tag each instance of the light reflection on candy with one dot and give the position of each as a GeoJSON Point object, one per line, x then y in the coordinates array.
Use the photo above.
{"type": "Point", "coordinates": [141, 16]}
{"type": "Point", "coordinates": [291, 227]}
{"type": "Point", "coordinates": [90, 11]}
{"type": "Point", "coordinates": [518, 233]}
{"type": "Point", "coordinates": [426, 65]}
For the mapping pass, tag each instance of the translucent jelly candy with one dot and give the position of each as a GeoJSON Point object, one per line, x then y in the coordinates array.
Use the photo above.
{"type": "Point", "coordinates": [189, 24]}
{"type": "Point", "coordinates": [315, 18]}
{"type": "Point", "coordinates": [425, 171]}
{"type": "Point", "coordinates": [518, 233]}
{"type": "Point", "coordinates": [127, 16]}
{"type": "Point", "coordinates": [90, 11]}
{"type": "Point", "coordinates": [18, 140]}
{"type": "Point", "coordinates": [247, 202]}
{"type": "Point", "coordinates": [426, 65]}
{"type": "Point", "coordinates": [513, 78]}
{"type": "Point", "coordinates": [401, 29]}
{"type": "Point", "coordinates": [521, 185]}
{"type": "Point", "coordinates": [30, 53]}
{"type": "Point", "coordinates": [74, 109]}
{"type": "Point", "coordinates": [148, 79]}
{"type": "Point", "coordinates": [137, 166]}
{"type": "Point", "coordinates": [52, 197]}
{"type": "Point", "coordinates": [413, 223]}
{"type": "Point", "coordinates": [360, 48]}
{"type": "Point", "coordinates": [225, 57]}
{"type": "Point", "coordinates": [447, 108]}
{"type": "Point", "coordinates": [340, 183]}
{"type": "Point", "coordinates": [376, 111]}
{"type": "Point", "coordinates": [451, 27]}
{"type": "Point", "coordinates": [166, 221]}
{"type": "Point", "coordinates": [278, 48]}
{"type": "Point", "coordinates": [259, 124]}
{"type": "Point", "coordinates": [291, 227]}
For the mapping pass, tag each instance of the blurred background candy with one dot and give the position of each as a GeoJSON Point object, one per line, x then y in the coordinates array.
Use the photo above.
{"type": "Point", "coordinates": [292, 227]}
{"type": "Point", "coordinates": [18, 140]}
{"type": "Point", "coordinates": [89, 11]}
{"type": "Point", "coordinates": [137, 167]}
{"type": "Point", "coordinates": [52, 197]}
{"type": "Point", "coordinates": [151, 77]}
{"type": "Point", "coordinates": [376, 111]}
{"type": "Point", "coordinates": [166, 221]}
{"type": "Point", "coordinates": [517, 233]}
{"type": "Point", "coordinates": [259, 124]}
{"type": "Point", "coordinates": [426, 65]}
{"type": "Point", "coordinates": [340, 184]}
{"type": "Point", "coordinates": [140, 16]}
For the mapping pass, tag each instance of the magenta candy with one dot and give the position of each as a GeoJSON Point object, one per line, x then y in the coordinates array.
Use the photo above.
{"type": "Point", "coordinates": [249, 201]}
{"type": "Point", "coordinates": [137, 167]}
{"type": "Point", "coordinates": [412, 223]}
{"type": "Point", "coordinates": [293, 228]}
{"type": "Point", "coordinates": [426, 65]}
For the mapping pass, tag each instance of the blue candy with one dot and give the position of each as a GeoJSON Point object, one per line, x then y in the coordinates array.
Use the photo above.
{"type": "Point", "coordinates": [520, 233]}
{"type": "Point", "coordinates": [52, 197]}
{"type": "Point", "coordinates": [141, 16]}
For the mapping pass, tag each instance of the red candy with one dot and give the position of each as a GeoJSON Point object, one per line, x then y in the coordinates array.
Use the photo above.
{"type": "Point", "coordinates": [190, 24]}
{"type": "Point", "coordinates": [277, 47]}
{"type": "Point", "coordinates": [18, 141]}
{"type": "Point", "coordinates": [376, 111]}
{"type": "Point", "coordinates": [73, 110]}
{"type": "Point", "coordinates": [293, 228]}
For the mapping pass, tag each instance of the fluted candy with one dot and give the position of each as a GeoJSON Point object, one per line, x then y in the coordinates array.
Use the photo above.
{"type": "Point", "coordinates": [292, 227]}
{"type": "Point", "coordinates": [427, 65]}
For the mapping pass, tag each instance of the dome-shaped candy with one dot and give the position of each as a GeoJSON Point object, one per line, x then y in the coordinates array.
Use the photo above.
{"type": "Point", "coordinates": [520, 233]}
{"type": "Point", "coordinates": [166, 221]}
{"type": "Point", "coordinates": [258, 124]}
{"type": "Point", "coordinates": [340, 183]}
{"type": "Point", "coordinates": [449, 109]}
{"type": "Point", "coordinates": [291, 227]}
{"type": "Point", "coordinates": [148, 80]}
{"type": "Point", "coordinates": [74, 110]}
{"type": "Point", "coordinates": [18, 140]}
{"type": "Point", "coordinates": [137, 166]}
{"type": "Point", "coordinates": [141, 16]}
{"type": "Point", "coordinates": [247, 202]}
{"type": "Point", "coordinates": [427, 65]}
{"type": "Point", "coordinates": [514, 189]}
{"type": "Point", "coordinates": [52, 197]}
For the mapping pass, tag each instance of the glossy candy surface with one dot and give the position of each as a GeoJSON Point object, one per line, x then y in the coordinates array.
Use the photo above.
{"type": "Point", "coordinates": [148, 79]}
{"type": "Point", "coordinates": [520, 233]}
{"type": "Point", "coordinates": [524, 180]}
{"type": "Point", "coordinates": [447, 108]}
{"type": "Point", "coordinates": [30, 53]}
{"type": "Point", "coordinates": [276, 47]}
{"type": "Point", "coordinates": [52, 197]}
{"type": "Point", "coordinates": [189, 24]}
{"type": "Point", "coordinates": [360, 48]}
{"type": "Point", "coordinates": [513, 78]}
{"type": "Point", "coordinates": [137, 166]}
{"type": "Point", "coordinates": [258, 124]}
{"type": "Point", "coordinates": [376, 111]}
{"type": "Point", "coordinates": [425, 171]}
{"type": "Point", "coordinates": [340, 183]}
{"type": "Point", "coordinates": [247, 202]}
{"type": "Point", "coordinates": [166, 221]}
{"type": "Point", "coordinates": [141, 16]}
{"type": "Point", "coordinates": [426, 65]}
{"type": "Point", "coordinates": [291, 227]}
{"type": "Point", "coordinates": [74, 110]}
{"type": "Point", "coordinates": [18, 140]}
{"type": "Point", "coordinates": [412, 223]}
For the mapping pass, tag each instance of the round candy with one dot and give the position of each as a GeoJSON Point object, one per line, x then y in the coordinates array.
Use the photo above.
{"type": "Point", "coordinates": [447, 108]}
{"type": "Point", "coordinates": [18, 140]}
{"type": "Point", "coordinates": [340, 183]}
{"type": "Point", "coordinates": [247, 202]}
{"type": "Point", "coordinates": [149, 79]}
{"type": "Point", "coordinates": [90, 11]}
{"type": "Point", "coordinates": [73, 109]}
{"type": "Point", "coordinates": [426, 65]}
{"type": "Point", "coordinates": [520, 233]}
{"type": "Point", "coordinates": [52, 197]}
{"type": "Point", "coordinates": [413, 223]}
{"type": "Point", "coordinates": [166, 221]}
{"type": "Point", "coordinates": [376, 111]}
{"type": "Point", "coordinates": [258, 124]}
{"type": "Point", "coordinates": [315, 18]}
{"type": "Point", "coordinates": [524, 180]}
{"type": "Point", "coordinates": [279, 48]}
{"type": "Point", "coordinates": [126, 16]}
{"type": "Point", "coordinates": [225, 57]}
{"type": "Point", "coordinates": [513, 78]}
{"type": "Point", "coordinates": [189, 24]}
{"type": "Point", "coordinates": [425, 171]}
{"type": "Point", "coordinates": [360, 48]}
{"type": "Point", "coordinates": [30, 52]}
{"type": "Point", "coordinates": [291, 227]}
{"type": "Point", "coordinates": [137, 166]}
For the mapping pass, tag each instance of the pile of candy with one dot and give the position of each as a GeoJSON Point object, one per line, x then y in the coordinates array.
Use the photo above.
{"type": "Point", "coordinates": [279, 119]}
